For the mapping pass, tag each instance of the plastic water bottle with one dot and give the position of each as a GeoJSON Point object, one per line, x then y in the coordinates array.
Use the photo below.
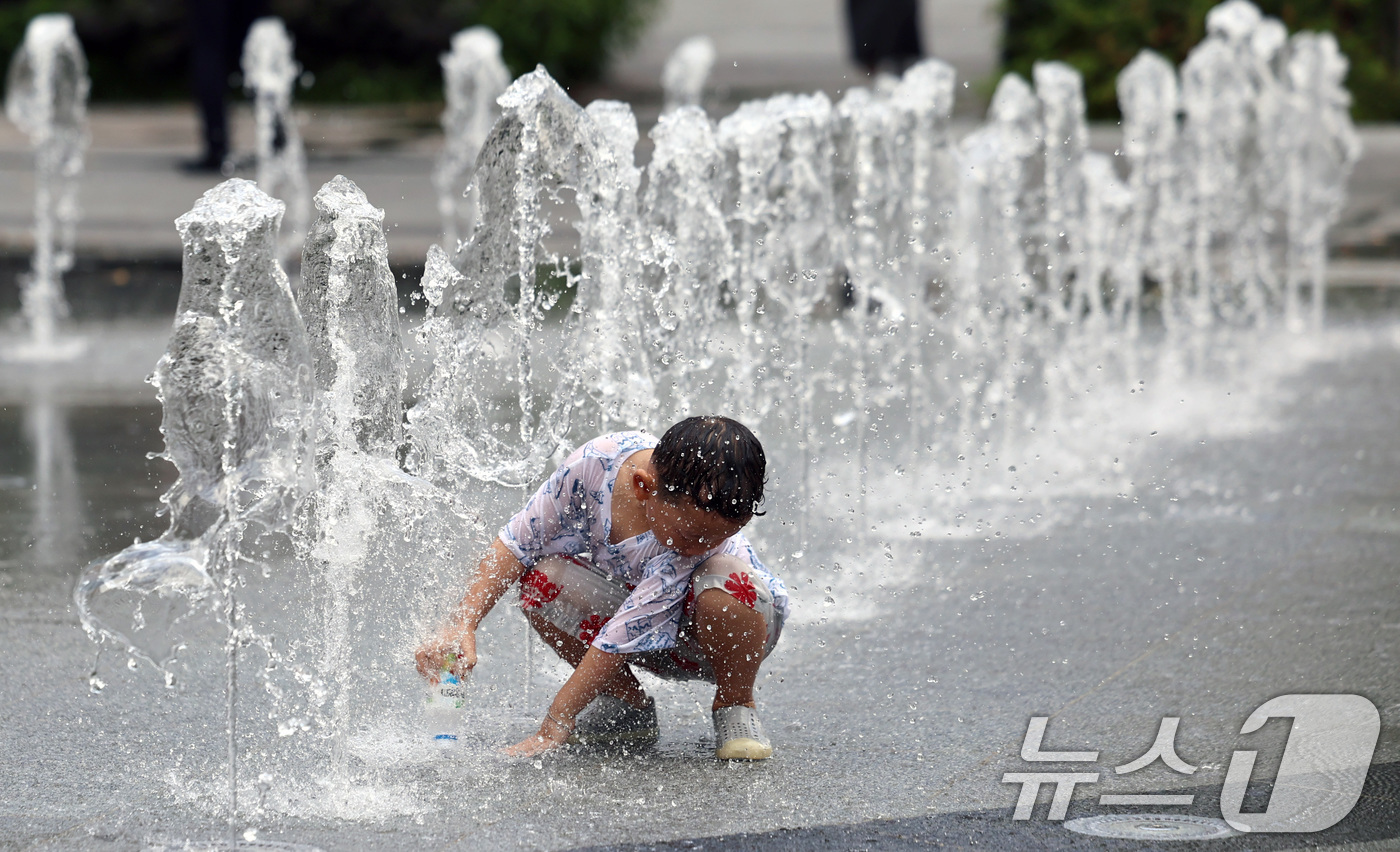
{"type": "Point", "coordinates": [443, 712]}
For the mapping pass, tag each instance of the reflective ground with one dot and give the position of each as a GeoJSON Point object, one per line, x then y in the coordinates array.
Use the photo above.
{"type": "Point", "coordinates": [1246, 549]}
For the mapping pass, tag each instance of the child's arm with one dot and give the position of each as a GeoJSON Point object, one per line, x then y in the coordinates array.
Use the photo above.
{"type": "Point", "coordinates": [594, 672]}
{"type": "Point", "coordinates": [498, 570]}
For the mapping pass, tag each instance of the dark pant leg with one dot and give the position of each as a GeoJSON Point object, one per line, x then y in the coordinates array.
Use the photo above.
{"type": "Point", "coordinates": [209, 67]}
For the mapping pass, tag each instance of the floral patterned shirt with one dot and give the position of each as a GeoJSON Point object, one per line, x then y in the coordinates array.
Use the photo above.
{"type": "Point", "coordinates": [571, 515]}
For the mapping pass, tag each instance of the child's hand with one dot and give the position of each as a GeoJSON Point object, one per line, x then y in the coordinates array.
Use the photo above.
{"type": "Point", "coordinates": [453, 640]}
{"type": "Point", "coordinates": [551, 735]}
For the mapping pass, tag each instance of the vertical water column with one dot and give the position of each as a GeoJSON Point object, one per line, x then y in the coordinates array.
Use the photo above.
{"type": "Point", "coordinates": [237, 390]}
{"type": "Point", "coordinates": [779, 203]}
{"type": "Point", "coordinates": [1105, 215]}
{"type": "Point", "coordinates": [750, 140]}
{"type": "Point", "coordinates": [1221, 84]}
{"type": "Point", "coordinates": [1214, 102]}
{"type": "Point", "coordinates": [866, 197]}
{"type": "Point", "coordinates": [867, 189]}
{"type": "Point", "coordinates": [1159, 225]}
{"type": "Point", "coordinates": [473, 77]}
{"type": "Point", "coordinates": [611, 296]}
{"type": "Point", "coordinates": [485, 413]}
{"type": "Point", "coordinates": [350, 308]}
{"type": "Point", "coordinates": [926, 161]}
{"type": "Point", "coordinates": [451, 412]}
{"type": "Point", "coordinates": [688, 67]}
{"type": "Point", "coordinates": [803, 254]}
{"type": "Point", "coordinates": [270, 72]}
{"type": "Point", "coordinates": [1322, 147]}
{"type": "Point", "coordinates": [46, 97]}
{"type": "Point", "coordinates": [1068, 296]}
{"type": "Point", "coordinates": [349, 303]}
{"type": "Point", "coordinates": [689, 259]}
{"type": "Point", "coordinates": [1262, 240]}
{"type": "Point", "coordinates": [991, 309]}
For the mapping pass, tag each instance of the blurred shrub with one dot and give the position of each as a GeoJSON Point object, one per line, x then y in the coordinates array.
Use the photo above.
{"type": "Point", "coordinates": [135, 48]}
{"type": "Point", "coordinates": [1099, 37]}
{"type": "Point", "coordinates": [380, 50]}
{"type": "Point", "coordinates": [356, 50]}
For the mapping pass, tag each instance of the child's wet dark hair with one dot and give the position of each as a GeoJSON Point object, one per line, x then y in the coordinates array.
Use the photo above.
{"type": "Point", "coordinates": [716, 462]}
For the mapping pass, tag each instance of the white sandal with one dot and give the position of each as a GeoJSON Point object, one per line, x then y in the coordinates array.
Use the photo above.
{"type": "Point", "coordinates": [739, 735]}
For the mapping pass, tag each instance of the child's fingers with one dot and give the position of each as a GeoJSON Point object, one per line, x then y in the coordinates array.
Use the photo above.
{"type": "Point", "coordinates": [529, 747]}
{"type": "Point", "coordinates": [430, 661]}
{"type": "Point", "coordinates": [449, 651]}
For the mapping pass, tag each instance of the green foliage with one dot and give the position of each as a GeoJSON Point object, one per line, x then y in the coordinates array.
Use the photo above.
{"type": "Point", "coordinates": [1099, 37]}
{"type": "Point", "coordinates": [356, 50]}
{"type": "Point", "coordinates": [572, 38]}
{"type": "Point", "coordinates": [135, 48]}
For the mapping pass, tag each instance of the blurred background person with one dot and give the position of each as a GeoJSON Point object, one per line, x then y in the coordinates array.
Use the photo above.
{"type": "Point", "coordinates": [884, 34]}
{"type": "Point", "coordinates": [216, 32]}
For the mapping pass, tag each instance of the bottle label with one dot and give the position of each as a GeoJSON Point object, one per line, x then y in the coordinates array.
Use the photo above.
{"type": "Point", "coordinates": [451, 691]}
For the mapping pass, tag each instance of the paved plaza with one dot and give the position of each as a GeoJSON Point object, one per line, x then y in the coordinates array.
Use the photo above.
{"type": "Point", "coordinates": [1247, 549]}
{"type": "Point", "coordinates": [1251, 554]}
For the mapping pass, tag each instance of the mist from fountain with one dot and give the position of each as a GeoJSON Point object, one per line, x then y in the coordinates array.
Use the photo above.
{"type": "Point", "coordinates": [270, 73]}
{"type": "Point", "coordinates": [872, 296]}
{"type": "Point", "coordinates": [473, 77]}
{"type": "Point", "coordinates": [46, 95]}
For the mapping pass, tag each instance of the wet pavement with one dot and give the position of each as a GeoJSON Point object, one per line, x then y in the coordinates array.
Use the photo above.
{"type": "Point", "coordinates": [1246, 550]}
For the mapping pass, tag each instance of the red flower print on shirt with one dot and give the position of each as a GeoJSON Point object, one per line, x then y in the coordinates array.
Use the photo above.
{"type": "Point", "coordinates": [741, 588]}
{"type": "Point", "coordinates": [589, 627]}
{"type": "Point", "coordinates": [536, 590]}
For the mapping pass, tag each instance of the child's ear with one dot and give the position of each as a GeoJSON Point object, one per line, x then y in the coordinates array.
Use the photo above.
{"type": "Point", "coordinates": [644, 483]}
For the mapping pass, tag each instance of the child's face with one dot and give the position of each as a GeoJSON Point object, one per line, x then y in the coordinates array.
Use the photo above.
{"type": "Point", "coordinates": [686, 528]}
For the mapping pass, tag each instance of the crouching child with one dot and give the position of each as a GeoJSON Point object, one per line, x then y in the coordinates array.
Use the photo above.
{"type": "Point", "coordinates": [631, 555]}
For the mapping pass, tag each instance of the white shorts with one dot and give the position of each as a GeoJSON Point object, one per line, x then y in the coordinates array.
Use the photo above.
{"type": "Point", "coordinates": [574, 597]}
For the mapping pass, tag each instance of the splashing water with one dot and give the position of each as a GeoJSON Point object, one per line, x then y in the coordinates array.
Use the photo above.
{"type": "Point", "coordinates": [688, 67]}
{"type": "Point", "coordinates": [270, 72]}
{"type": "Point", "coordinates": [46, 97]}
{"type": "Point", "coordinates": [473, 77]}
{"type": "Point", "coordinates": [236, 386]}
{"type": "Point", "coordinates": [989, 281]}
{"type": "Point", "coordinates": [349, 304]}
{"type": "Point", "coordinates": [778, 195]}
{"type": "Point", "coordinates": [872, 295]}
{"type": "Point", "coordinates": [496, 316]}
{"type": "Point", "coordinates": [689, 261]}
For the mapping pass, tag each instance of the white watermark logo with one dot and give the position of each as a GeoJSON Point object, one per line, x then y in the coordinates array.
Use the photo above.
{"type": "Point", "coordinates": [1319, 781]}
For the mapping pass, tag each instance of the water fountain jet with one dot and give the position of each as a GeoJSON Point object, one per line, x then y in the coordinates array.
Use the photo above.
{"type": "Point", "coordinates": [236, 385]}
{"type": "Point", "coordinates": [46, 97]}
{"type": "Point", "coordinates": [270, 73]}
{"type": "Point", "coordinates": [473, 77]}
{"type": "Point", "coordinates": [720, 279]}
{"type": "Point", "coordinates": [688, 67]}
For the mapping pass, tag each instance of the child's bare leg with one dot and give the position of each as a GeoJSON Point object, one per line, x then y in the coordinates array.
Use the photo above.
{"type": "Point", "coordinates": [733, 637]}
{"type": "Point", "coordinates": [624, 684]}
